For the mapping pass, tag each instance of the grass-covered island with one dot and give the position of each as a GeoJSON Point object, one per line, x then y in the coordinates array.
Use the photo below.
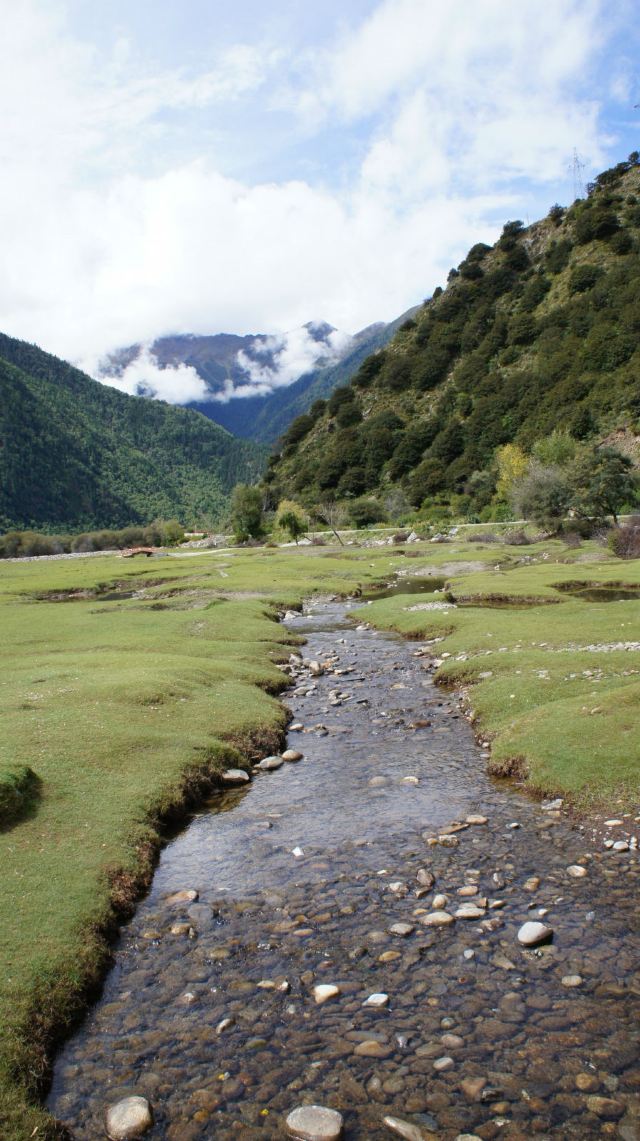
{"type": "Point", "coordinates": [127, 688]}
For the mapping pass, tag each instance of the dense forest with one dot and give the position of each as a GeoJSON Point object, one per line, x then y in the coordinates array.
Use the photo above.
{"type": "Point", "coordinates": [539, 332]}
{"type": "Point", "coordinates": [77, 455]}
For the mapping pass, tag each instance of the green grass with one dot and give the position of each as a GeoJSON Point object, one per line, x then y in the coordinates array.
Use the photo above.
{"type": "Point", "coordinates": [561, 713]}
{"type": "Point", "coordinates": [114, 711]}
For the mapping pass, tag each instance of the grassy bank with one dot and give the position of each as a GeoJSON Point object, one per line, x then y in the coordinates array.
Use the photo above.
{"type": "Point", "coordinates": [552, 673]}
{"type": "Point", "coordinates": [119, 710]}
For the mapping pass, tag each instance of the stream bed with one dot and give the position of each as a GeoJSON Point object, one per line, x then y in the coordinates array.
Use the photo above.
{"type": "Point", "coordinates": [320, 873]}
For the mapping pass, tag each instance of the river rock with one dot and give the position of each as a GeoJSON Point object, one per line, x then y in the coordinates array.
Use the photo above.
{"type": "Point", "coordinates": [472, 1088]}
{"type": "Point", "coordinates": [576, 871]}
{"type": "Point", "coordinates": [476, 818]}
{"type": "Point", "coordinates": [469, 911]}
{"type": "Point", "coordinates": [377, 1001]}
{"type": "Point", "coordinates": [187, 896]}
{"type": "Point", "coordinates": [292, 755]}
{"type": "Point", "coordinates": [314, 1123]}
{"type": "Point", "coordinates": [532, 884]}
{"type": "Point", "coordinates": [532, 934]}
{"type": "Point", "coordinates": [440, 902]}
{"type": "Point", "coordinates": [268, 764]}
{"type": "Point", "coordinates": [438, 919]}
{"type": "Point", "coordinates": [402, 929]}
{"type": "Point", "coordinates": [235, 776]}
{"type": "Point", "coordinates": [605, 1107]}
{"type": "Point", "coordinates": [325, 991]}
{"type": "Point", "coordinates": [425, 878]}
{"type": "Point", "coordinates": [315, 669]}
{"type": "Point", "coordinates": [371, 1048]}
{"type": "Point", "coordinates": [128, 1118]}
{"type": "Point", "coordinates": [404, 1129]}
{"type": "Point", "coordinates": [442, 1064]}
{"type": "Point", "coordinates": [571, 981]}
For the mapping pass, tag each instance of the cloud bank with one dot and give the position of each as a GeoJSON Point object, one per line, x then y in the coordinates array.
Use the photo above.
{"type": "Point", "coordinates": [130, 207]}
{"type": "Point", "coordinates": [177, 384]}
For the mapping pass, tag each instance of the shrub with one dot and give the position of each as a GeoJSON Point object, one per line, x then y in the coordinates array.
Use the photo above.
{"type": "Point", "coordinates": [542, 495]}
{"type": "Point", "coordinates": [597, 223]}
{"type": "Point", "coordinates": [483, 537]}
{"type": "Point", "coordinates": [624, 541]}
{"type": "Point", "coordinates": [517, 538]}
{"type": "Point", "coordinates": [558, 254]}
{"type": "Point", "coordinates": [365, 511]}
{"type": "Point", "coordinates": [584, 277]}
{"type": "Point", "coordinates": [556, 214]}
{"type": "Point", "coordinates": [622, 242]}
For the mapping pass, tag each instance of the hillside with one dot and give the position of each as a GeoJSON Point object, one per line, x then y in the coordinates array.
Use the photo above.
{"type": "Point", "coordinates": [75, 454]}
{"type": "Point", "coordinates": [538, 332]}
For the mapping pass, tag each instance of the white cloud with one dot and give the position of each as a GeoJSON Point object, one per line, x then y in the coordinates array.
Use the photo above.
{"type": "Point", "coordinates": [277, 361]}
{"type": "Point", "coordinates": [120, 221]}
{"type": "Point", "coordinates": [179, 384]}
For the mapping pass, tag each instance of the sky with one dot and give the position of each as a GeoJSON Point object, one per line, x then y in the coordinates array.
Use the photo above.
{"type": "Point", "coordinates": [210, 166]}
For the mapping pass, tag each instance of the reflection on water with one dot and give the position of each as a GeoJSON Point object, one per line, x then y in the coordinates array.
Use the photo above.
{"type": "Point", "coordinates": [406, 584]}
{"type": "Point", "coordinates": [300, 879]}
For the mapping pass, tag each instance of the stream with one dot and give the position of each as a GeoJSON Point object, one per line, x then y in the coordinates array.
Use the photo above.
{"type": "Point", "coordinates": [320, 873]}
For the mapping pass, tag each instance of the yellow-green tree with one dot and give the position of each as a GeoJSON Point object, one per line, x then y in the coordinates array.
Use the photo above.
{"type": "Point", "coordinates": [512, 466]}
{"type": "Point", "coordinates": [291, 519]}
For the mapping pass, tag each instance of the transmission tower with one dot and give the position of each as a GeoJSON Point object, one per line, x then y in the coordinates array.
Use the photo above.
{"type": "Point", "coordinates": [577, 167]}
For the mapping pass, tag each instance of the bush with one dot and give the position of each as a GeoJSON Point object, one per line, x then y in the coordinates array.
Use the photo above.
{"type": "Point", "coordinates": [558, 254]}
{"type": "Point", "coordinates": [584, 277]}
{"type": "Point", "coordinates": [517, 538]}
{"type": "Point", "coordinates": [624, 541]}
{"type": "Point", "coordinates": [542, 495]}
{"type": "Point", "coordinates": [595, 224]}
{"type": "Point", "coordinates": [365, 511]}
{"type": "Point", "coordinates": [483, 537]}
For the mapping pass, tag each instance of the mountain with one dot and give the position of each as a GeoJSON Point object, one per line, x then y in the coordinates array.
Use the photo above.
{"type": "Point", "coordinates": [76, 455]}
{"type": "Point", "coordinates": [540, 331]}
{"type": "Point", "coordinates": [227, 362]}
{"type": "Point", "coordinates": [265, 418]}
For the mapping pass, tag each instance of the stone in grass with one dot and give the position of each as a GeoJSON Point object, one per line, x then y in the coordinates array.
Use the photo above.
{"type": "Point", "coordinates": [532, 934]}
{"type": "Point", "coordinates": [314, 1123]}
{"type": "Point", "coordinates": [128, 1118]}
{"type": "Point", "coordinates": [235, 776]}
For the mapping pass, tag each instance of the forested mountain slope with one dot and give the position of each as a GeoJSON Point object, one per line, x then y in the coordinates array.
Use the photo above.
{"type": "Point", "coordinates": [76, 455]}
{"type": "Point", "coordinates": [539, 332]}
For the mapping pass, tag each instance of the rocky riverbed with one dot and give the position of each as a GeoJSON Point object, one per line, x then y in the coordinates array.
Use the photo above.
{"type": "Point", "coordinates": [356, 930]}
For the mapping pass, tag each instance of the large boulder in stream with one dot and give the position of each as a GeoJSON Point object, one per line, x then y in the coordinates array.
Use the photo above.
{"type": "Point", "coordinates": [129, 1118]}
{"type": "Point", "coordinates": [314, 1123]}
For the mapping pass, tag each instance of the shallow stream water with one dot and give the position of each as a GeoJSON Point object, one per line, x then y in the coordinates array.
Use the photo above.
{"type": "Point", "coordinates": [300, 878]}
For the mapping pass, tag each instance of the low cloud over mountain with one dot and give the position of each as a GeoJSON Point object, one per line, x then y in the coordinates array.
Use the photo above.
{"type": "Point", "coordinates": [187, 369]}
